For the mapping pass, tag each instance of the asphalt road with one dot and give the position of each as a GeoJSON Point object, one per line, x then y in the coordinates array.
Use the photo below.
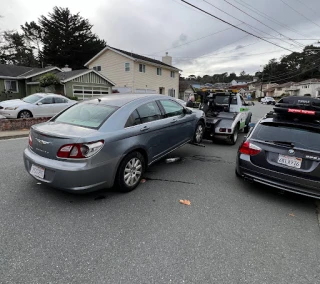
{"type": "Point", "coordinates": [233, 231]}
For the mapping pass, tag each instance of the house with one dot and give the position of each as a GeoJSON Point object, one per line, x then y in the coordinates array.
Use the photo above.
{"type": "Point", "coordinates": [134, 73]}
{"type": "Point", "coordinates": [278, 90]}
{"type": "Point", "coordinates": [19, 81]}
{"type": "Point", "coordinates": [234, 83]}
{"type": "Point", "coordinates": [258, 90]}
{"type": "Point", "coordinates": [309, 87]}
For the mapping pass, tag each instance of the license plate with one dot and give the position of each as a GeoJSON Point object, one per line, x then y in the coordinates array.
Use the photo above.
{"type": "Point", "coordinates": [37, 171]}
{"type": "Point", "coordinates": [292, 162]}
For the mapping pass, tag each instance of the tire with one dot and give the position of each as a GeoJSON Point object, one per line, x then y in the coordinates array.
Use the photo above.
{"type": "Point", "coordinates": [198, 133]}
{"type": "Point", "coordinates": [234, 137]}
{"type": "Point", "coordinates": [247, 127]}
{"type": "Point", "coordinates": [24, 114]}
{"type": "Point", "coordinates": [130, 172]}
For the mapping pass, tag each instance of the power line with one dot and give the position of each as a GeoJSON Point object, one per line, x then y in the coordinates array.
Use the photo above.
{"type": "Point", "coordinates": [299, 13]}
{"type": "Point", "coordinates": [304, 4]}
{"type": "Point", "coordinates": [234, 25]}
{"type": "Point", "coordinates": [261, 22]}
{"type": "Point", "coordinates": [262, 14]}
{"type": "Point", "coordinates": [255, 28]}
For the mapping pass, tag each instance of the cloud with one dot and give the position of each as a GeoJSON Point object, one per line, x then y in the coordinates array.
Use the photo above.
{"type": "Point", "coordinates": [197, 42]}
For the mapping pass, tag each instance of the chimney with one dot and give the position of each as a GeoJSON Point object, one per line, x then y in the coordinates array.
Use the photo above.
{"type": "Point", "coordinates": [66, 68]}
{"type": "Point", "coordinates": [167, 59]}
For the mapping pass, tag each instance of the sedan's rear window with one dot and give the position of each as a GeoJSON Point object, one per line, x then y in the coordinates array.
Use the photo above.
{"type": "Point", "coordinates": [306, 138]}
{"type": "Point", "coordinates": [86, 115]}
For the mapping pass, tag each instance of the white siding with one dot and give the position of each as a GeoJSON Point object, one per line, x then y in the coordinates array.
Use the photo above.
{"type": "Point", "coordinates": [151, 81]}
{"type": "Point", "coordinates": [112, 66]}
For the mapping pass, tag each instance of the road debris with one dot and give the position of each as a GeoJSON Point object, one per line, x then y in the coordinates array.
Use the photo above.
{"type": "Point", "coordinates": [172, 160]}
{"type": "Point", "coordinates": [38, 183]}
{"type": "Point", "coordinates": [292, 215]}
{"type": "Point", "coordinates": [143, 180]}
{"type": "Point", "coordinates": [185, 201]}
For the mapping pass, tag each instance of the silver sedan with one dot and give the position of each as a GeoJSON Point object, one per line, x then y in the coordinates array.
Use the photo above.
{"type": "Point", "coordinates": [109, 141]}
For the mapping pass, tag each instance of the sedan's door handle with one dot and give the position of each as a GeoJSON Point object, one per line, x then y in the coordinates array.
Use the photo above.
{"type": "Point", "coordinates": [145, 128]}
{"type": "Point", "coordinates": [174, 120]}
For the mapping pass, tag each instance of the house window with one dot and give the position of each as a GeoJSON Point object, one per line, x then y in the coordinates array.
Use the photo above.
{"type": "Point", "coordinates": [127, 67]}
{"type": "Point", "coordinates": [172, 74]}
{"type": "Point", "coordinates": [97, 68]}
{"type": "Point", "coordinates": [11, 86]}
{"type": "Point", "coordinates": [159, 71]}
{"type": "Point", "coordinates": [172, 92]}
{"type": "Point", "coordinates": [142, 68]}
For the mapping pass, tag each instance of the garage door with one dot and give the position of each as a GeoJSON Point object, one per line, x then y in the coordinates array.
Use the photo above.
{"type": "Point", "coordinates": [88, 92]}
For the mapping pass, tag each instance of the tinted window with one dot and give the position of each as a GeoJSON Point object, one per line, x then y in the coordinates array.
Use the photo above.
{"type": "Point", "coordinates": [31, 99]}
{"type": "Point", "coordinates": [300, 137]}
{"type": "Point", "coordinates": [86, 115]}
{"type": "Point", "coordinates": [224, 100]}
{"type": "Point", "coordinates": [134, 119]}
{"type": "Point", "coordinates": [46, 101]}
{"type": "Point", "coordinates": [171, 108]}
{"type": "Point", "coordinates": [149, 112]}
{"type": "Point", "coordinates": [60, 100]}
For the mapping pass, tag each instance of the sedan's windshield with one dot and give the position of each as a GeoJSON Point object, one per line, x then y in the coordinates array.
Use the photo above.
{"type": "Point", "coordinates": [306, 138]}
{"type": "Point", "coordinates": [86, 115]}
{"type": "Point", "coordinates": [31, 99]}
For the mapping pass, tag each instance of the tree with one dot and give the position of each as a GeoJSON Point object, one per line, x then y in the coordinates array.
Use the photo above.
{"type": "Point", "coordinates": [16, 51]}
{"type": "Point", "coordinates": [63, 38]}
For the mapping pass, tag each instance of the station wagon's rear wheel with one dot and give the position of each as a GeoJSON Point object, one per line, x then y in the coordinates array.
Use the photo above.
{"type": "Point", "coordinates": [130, 172]}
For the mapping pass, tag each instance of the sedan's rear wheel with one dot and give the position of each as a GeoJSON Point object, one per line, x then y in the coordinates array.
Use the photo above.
{"type": "Point", "coordinates": [130, 172]}
{"type": "Point", "coordinates": [24, 114]}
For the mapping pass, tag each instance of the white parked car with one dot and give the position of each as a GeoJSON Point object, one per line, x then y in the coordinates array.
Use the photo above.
{"type": "Point", "coordinates": [36, 105]}
{"type": "Point", "coordinates": [268, 101]}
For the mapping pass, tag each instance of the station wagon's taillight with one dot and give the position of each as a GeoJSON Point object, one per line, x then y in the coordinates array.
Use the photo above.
{"type": "Point", "coordinates": [80, 151]}
{"type": "Point", "coordinates": [250, 149]}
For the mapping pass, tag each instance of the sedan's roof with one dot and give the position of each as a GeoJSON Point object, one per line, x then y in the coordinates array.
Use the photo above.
{"type": "Point", "coordinates": [122, 99]}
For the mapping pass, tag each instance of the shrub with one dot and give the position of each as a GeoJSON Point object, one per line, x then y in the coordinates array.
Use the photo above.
{"type": "Point", "coordinates": [48, 80]}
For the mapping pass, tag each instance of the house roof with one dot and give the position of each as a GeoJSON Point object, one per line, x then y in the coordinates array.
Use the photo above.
{"type": "Point", "coordinates": [69, 75]}
{"type": "Point", "coordinates": [22, 72]}
{"type": "Point", "coordinates": [133, 56]}
{"type": "Point", "coordinates": [314, 80]}
{"type": "Point", "coordinates": [285, 85]}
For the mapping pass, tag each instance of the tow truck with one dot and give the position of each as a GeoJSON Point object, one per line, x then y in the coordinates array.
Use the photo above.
{"type": "Point", "coordinates": [227, 113]}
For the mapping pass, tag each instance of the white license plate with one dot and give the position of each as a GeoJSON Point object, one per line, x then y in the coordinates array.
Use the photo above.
{"type": "Point", "coordinates": [37, 171]}
{"type": "Point", "coordinates": [292, 162]}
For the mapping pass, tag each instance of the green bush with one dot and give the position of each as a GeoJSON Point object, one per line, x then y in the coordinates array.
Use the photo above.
{"type": "Point", "coordinates": [48, 80]}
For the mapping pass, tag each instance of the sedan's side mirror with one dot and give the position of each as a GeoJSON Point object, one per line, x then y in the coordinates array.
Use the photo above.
{"type": "Point", "coordinates": [187, 111]}
{"type": "Point", "coordinates": [39, 104]}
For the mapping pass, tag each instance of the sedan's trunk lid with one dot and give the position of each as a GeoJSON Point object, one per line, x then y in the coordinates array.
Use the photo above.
{"type": "Point", "coordinates": [48, 138]}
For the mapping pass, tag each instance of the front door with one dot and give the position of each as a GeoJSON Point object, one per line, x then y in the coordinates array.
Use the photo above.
{"type": "Point", "coordinates": [45, 107]}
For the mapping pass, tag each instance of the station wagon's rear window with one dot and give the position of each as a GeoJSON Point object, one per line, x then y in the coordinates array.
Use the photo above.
{"type": "Point", "coordinates": [305, 138]}
{"type": "Point", "coordinates": [86, 115]}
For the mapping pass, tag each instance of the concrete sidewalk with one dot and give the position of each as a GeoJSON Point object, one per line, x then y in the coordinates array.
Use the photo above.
{"type": "Point", "coordinates": [14, 134]}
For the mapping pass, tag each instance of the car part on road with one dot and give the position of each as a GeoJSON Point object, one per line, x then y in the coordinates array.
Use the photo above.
{"type": "Point", "coordinates": [172, 160]}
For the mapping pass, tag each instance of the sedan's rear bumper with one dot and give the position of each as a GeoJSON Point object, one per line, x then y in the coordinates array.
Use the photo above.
{"type": "Point", "coordinates": [80, 177]}
{"type": "Point", "coordinates": [275, 179]}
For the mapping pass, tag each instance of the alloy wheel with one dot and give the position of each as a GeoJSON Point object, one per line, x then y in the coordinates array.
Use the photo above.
{"type": "Point", "coordinates": [132, 172]}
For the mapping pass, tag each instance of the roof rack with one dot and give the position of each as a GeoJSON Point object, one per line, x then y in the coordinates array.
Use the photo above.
{"type": "Point", "coordinates": [298, 107]}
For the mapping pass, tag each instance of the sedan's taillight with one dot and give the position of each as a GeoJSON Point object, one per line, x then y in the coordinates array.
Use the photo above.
{"type": "Point", "coordinates": [30, 140]}
{"type": "Point", "coordinates": [80, 151]}
{"type": "Point", "coordinates": [250, 149]}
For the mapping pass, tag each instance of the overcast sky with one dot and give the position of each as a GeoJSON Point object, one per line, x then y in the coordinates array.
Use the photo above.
{"type": "Point", "coordinates": [198, 43]}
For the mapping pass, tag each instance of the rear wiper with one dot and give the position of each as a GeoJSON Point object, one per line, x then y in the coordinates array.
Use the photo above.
{"type": "Point", "coordinates": [282, 143]}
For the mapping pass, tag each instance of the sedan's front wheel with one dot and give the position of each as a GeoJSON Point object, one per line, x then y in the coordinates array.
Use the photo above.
{"type": "Point", "coordinates": [130, 172]}
{"type": "Point", "coordinates": [24, 114]}
{"type": "Point", "coordinates": [198, 134]}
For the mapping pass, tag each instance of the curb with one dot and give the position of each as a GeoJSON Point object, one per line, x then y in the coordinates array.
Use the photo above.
{"type": "Point", "coordinates": [13, 136]}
